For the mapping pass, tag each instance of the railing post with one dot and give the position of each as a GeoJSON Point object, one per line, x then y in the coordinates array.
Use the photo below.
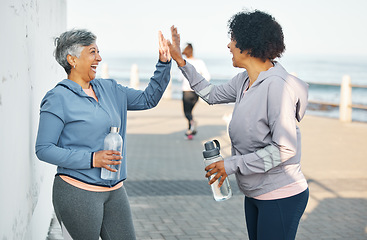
{"type": "Point", "coordinates": [105, 71]}
{"type": "Point", "coordinates": [345, 107]}
{"type": "Point", "coordinates": [134, 76]}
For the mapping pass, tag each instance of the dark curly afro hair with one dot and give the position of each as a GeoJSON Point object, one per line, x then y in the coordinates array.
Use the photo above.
{"type": "Point", "coordinates": [258, 33]}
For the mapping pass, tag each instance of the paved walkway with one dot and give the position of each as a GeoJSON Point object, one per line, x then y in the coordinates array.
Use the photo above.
{"type": "Point", "coordinates": [170, 197]}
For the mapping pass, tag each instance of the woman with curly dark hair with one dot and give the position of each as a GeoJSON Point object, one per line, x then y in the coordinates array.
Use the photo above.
{"type": "Point", "coordinates": [266, 142]}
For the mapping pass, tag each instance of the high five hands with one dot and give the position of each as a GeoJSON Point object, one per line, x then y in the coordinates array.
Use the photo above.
{"type": "Point", "coordinates": [164, 53]}
{"type": "Point", "coordinates": [168, 49]}
{"type": "Point", "coordinates": [217, 169]}
{"type": "Point", "coordinates": [175, 49]}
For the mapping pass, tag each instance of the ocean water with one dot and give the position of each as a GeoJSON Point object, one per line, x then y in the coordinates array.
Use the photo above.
{"type": "Point", "coordinates": [315, 70]}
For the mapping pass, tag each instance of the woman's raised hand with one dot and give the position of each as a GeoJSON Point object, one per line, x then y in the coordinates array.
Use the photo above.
{"type": "Point", "coordinates": [107, 157]}
{"type": "Point", "coordinates": [164, 54]}
{"type": "Point", "coordinates": [175, 49]}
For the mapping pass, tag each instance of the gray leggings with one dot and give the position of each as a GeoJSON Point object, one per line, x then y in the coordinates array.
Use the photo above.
{"type": "Point", "coordinates": [88, 215]}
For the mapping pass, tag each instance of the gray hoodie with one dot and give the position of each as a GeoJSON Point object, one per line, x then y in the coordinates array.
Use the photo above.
{"type": "Point", "coordinates": [266, 142]}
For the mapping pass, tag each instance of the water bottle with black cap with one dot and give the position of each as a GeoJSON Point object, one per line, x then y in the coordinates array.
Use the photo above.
{"type": "Point", "coordinates": [211, 155]}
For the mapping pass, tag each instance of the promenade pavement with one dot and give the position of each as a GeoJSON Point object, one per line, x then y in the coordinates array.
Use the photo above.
{"type": "Point", "coordinates": [170, 197]}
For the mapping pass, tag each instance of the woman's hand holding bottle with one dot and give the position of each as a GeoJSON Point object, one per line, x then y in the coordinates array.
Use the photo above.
{"type": "Point", "coordinates": [107, 157]}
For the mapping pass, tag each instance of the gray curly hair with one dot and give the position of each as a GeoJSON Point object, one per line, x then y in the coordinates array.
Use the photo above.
{"type": "Point", "coordinates": [72, 43]}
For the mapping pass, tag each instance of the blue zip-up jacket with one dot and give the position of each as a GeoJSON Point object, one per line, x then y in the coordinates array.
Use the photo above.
{"type": "Point", "coordinates": [73, 125]}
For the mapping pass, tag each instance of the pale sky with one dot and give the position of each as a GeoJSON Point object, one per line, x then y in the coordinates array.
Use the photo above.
{"type": "Point", "coordinates": [312, 27]}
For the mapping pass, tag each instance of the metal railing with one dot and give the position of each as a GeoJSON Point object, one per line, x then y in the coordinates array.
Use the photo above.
{"type": "Point", "coordinates": [345, 104]}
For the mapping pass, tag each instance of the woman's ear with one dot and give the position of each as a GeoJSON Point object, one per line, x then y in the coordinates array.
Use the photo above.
{"type": "Point", "coordinates": [71, 60]}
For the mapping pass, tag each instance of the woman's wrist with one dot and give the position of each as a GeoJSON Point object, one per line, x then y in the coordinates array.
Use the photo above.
{"type": "Point", "coordinates": [181, 62]}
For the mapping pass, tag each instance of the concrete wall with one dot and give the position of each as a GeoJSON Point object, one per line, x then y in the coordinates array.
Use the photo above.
{"type": "Point", "coordinates": [27, 71]}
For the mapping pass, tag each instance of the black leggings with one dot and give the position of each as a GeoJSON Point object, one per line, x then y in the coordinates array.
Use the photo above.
{"type": "Point", "coordinates": [274, 219]}
{"type": "Point", "coordinates": [189, 99]}
{"type": "Point", "coordinates": [88, 215]}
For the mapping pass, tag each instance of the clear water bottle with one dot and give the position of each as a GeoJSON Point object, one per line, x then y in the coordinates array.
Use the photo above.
{"type": "Point", "coordinates": [113, 141]}
{"type": "Point", "coordinates": [211, 155]}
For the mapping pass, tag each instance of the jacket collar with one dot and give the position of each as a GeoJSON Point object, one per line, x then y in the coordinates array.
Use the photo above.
{"type": "Point", "coordinates": [73, 86]}
{"type": "Point", "coordinates": [276, 70]}
{"type": "Point", "coordinates": [297, 86]}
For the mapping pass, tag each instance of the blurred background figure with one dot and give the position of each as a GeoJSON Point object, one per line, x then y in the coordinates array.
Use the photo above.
{"type": "Point", "coordinates": [189, 97]}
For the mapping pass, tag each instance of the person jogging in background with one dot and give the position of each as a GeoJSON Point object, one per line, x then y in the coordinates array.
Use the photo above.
{"type": "Point", "coordinates": [189, 97]}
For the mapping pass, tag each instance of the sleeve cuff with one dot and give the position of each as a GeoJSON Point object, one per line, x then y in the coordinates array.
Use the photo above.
{"type": "Point", "coordinates": [169, 61]}
{"type": "Point", "coordinates": [230, 165]}
{"type": "Point", "coordinates": [91, 160]}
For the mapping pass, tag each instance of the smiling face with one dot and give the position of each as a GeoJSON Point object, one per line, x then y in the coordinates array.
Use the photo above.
{"type": "Point", "coordinates": [86, 64]}
{"type": "Point", "coordinates": [238, 57]}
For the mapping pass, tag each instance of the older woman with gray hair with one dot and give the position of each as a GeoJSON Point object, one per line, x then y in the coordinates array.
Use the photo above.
{"type": "Point", "coordinates": [75, 117]}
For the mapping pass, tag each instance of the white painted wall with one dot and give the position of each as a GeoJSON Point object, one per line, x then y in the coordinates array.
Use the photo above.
{"type": "Point", "coordinates": [27, 71]}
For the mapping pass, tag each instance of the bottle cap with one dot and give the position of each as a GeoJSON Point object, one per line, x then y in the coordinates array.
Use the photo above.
{"type": "Point", "coordinates": [114, 129]}
{"type": "Point", "coordinates": [210, 149]}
